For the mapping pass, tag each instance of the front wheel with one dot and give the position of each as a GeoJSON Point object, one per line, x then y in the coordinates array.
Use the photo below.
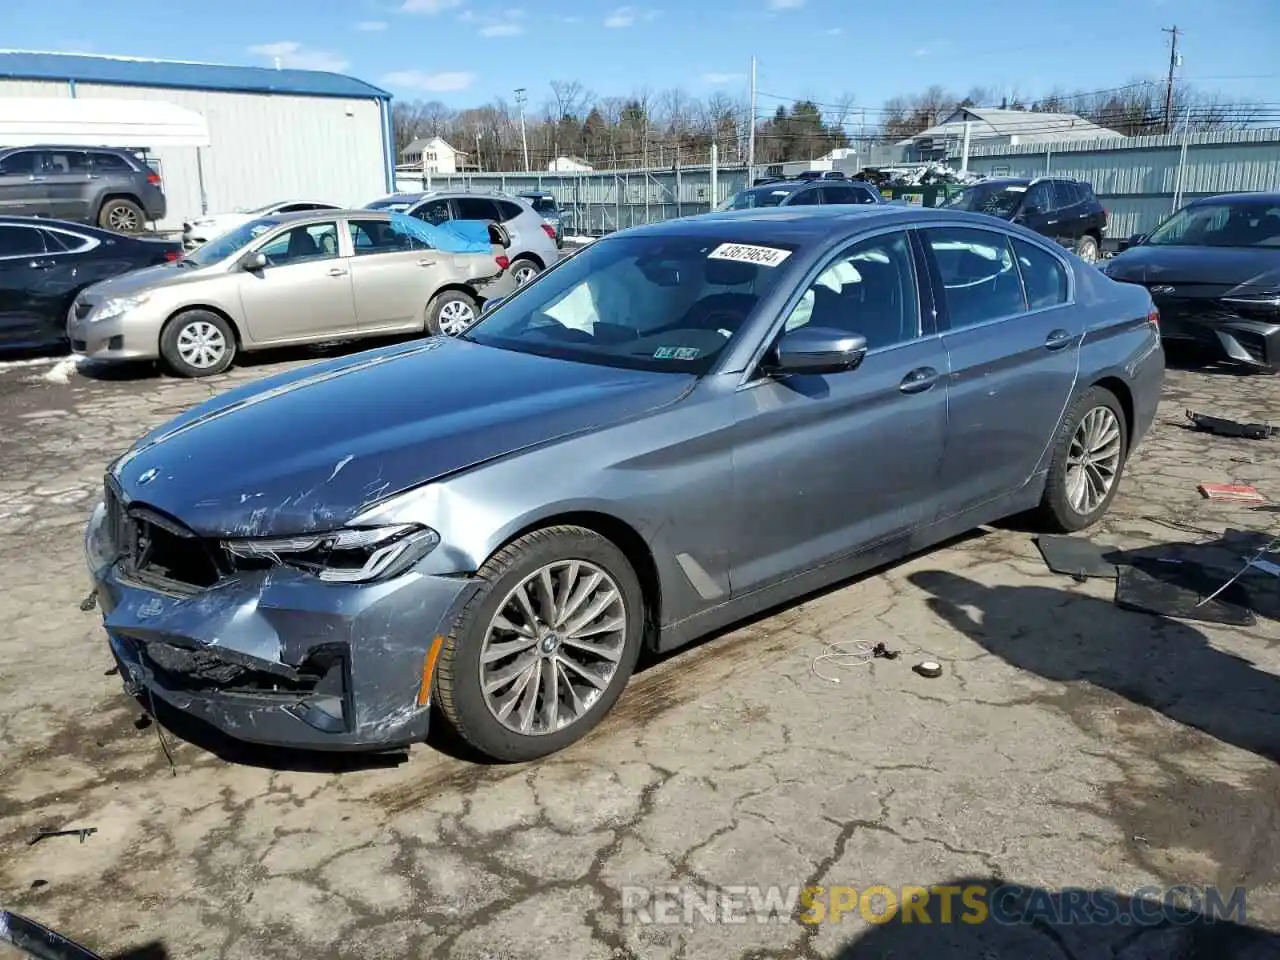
{"type": "Point", "coordinates": [545, 647]}
{"type": "Point", "coordinates": [1088, 458]}
{"type": "Point", "coordinates": [198, 343]}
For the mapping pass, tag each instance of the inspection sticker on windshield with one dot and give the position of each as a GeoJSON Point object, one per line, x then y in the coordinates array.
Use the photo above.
{"type": "Point", "coordinates": [676, 353]}
{"type": "Point", "coordinates": [748, 253]}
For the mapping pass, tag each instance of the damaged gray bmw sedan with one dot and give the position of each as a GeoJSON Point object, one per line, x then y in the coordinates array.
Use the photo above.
{"type": "Point", "coordinates": [679, 427]}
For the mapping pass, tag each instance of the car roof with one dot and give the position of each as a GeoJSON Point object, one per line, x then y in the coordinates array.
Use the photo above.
{"type": "Point", "coordinates": [70, 146]}
{"type": "Point", "coordinates": [1260, 197]}
{"type": "Point", "coordinates": [321, 215]}
{"type": "Point", "coordinates": [801, 225]}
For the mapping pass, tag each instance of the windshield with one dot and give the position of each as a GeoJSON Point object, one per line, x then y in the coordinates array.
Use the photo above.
{"type": "Point", "coordinates": [649, 303]}
{"type": "Point", "coordinates": [997, 199]}
{"type": "Point", "coordinates": [1247, 223]}
{"type": "Point", "coordinates": [395, 204]}
{"type": "Point", "coordinates": [770, 196]}
{"type": "Point", "coordinates": [221, 247]}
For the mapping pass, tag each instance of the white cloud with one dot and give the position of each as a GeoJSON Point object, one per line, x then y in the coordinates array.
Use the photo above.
{"type": "Point", "coordinates": [429, 7]}
{"type": "Point", "coordinates": [785, 4]}
{"type": "Point", "coordinates": [371, 26]}
{"type": "Point", "coordinates": [501, 30]}
{"type": "Point", "coordinates": [570, 19]}
{"type": "Point", "coordinates": [622, 17]}
{"type": "Point", "coordinates": [652, 14]}
{"type": "Point", "coordinates": [718, 78]}
{"type": "Point", "coordinates": [448, 82]}
{"type": "Point", "coordinates": [835, 31]}
{"type": "Point", "coordinates": [294, 56]}
{"type": "Point", "coordinates": [920, 52]}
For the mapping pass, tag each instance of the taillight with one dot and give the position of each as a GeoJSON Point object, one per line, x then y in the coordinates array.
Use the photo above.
{"type": "Point", "coordinates": [549, 230]}
{"type": "Point", "coordinates": [1153, 318]}
{"type": "Point", "coordinates": [153, 179]}
{"type": "Point", "coordinates": [173, 256]}
{"type": "Point", "coordinates": [502, 261]}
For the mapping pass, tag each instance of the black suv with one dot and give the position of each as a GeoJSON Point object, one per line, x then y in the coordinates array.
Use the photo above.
{"type": "Point", "coordinates": [111, 188]}
{"type": "Point", "coordinates": [1064, 210]}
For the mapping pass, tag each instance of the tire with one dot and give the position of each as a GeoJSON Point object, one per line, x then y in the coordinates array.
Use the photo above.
{"type": "Point", "coordinates": [1087, 249]}
{"type": "Point", "coordinates": [1061, 509]}
{"type": "Point", "coordinates": [472, 713]}
{"type": "Point", "coordinates": [446, 313]}
{"type": "Point", "coordinates": [523, 270]}
{"type": "Point", "coordinates": [122, 216]}
{"type": "Point", "coordinates": [185, 333]}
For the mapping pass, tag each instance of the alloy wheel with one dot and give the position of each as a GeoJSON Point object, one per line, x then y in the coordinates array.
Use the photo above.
{"type": "Point", "coordinates": [201, 344]}
{"type": "Point", "coordinates": [122, 219]}
{"type": "Point", "coordinates": [553, 647]}
{"type": "Point", "coordinates": [1093, 460]}
{"type": "Point", "coordinates": [455, 317]}
{"type": "Point", "coordinates": [524, 273]}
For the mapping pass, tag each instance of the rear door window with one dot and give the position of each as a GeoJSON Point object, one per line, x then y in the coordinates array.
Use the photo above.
{"type": "Point", "coordinates": [379, 236]}
{"type": "Point", "coordinates": [1066, 193]}
{"type": "Point", "coordinates": [979, 277]}
{"type": "Point", "coordinates": [509, 210]}
{"type": "Point", "coordinates": [66, 162]}
{"type": "Point", "coordinates": [806, 197]}
{"type": "Point", "coordinates": [840, 194]}
{"type": "Point", "coordinates": [1041, 197]}
{"type": "Point", "coordinates": [1043, 275]}
{"type": "Point", "coordinates": [476, 208]}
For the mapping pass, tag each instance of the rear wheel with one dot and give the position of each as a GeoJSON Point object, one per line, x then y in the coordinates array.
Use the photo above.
{"type": "Point", "coordinates": [451, 313]}
{"type": "Point", "coordinates": [544, 649]}
{"type": "Point", "coordinates": [122, 216]}
{"type": "Point", "coordinates": [197, 343]}
{"type": "Point", "coordinates": [1088, 458]}
{"type": "Point", "coordinates": [523, 270]}
{"type": "Point", "coordinates": [1087, 249]}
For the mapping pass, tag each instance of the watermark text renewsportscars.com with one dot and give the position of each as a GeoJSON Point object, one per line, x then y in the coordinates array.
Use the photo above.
{"type": "Point", "coordinates": [974, 903]}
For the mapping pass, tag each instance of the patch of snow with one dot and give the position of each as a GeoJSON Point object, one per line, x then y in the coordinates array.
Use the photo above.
{"type": "Point", "coordinates": [6, 365]}
{"type": "Point", "coordinates": [63, 370]}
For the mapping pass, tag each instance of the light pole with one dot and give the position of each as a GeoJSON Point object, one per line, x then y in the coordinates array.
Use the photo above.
{"type": "Point", "coordinates": [524, 139]}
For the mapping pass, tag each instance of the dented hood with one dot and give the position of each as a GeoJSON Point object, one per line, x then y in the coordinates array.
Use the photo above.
{"type": "Point", "coordinates": [309, 449]}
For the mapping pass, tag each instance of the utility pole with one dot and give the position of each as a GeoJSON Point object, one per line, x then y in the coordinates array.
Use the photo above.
{"type": "Point", "coordinates": [479, 158]}
{"type": "Point", "coordinates": [1173, 63]}
{"type": "Point", "coordinates": [751, 129]}
{"type": "Point", "coordinates": [524, 139]}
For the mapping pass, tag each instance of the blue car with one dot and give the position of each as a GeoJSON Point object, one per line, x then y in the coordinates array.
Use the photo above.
{"type": "Point", "coordinates": [681, 426]}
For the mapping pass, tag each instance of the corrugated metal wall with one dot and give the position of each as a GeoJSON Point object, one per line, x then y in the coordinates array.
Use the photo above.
{"type": "Point", "coordinates": [601, 202]}
{"type": "Point", "coordinates": [1137, 182]}
{"type": "Point", "coordinates": [263, 147]}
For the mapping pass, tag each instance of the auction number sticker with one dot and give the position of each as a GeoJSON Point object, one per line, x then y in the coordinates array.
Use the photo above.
{"type": "Point", "coordinates": [749, 253]}
{"type": "Point", "coordinates": [676, 353]}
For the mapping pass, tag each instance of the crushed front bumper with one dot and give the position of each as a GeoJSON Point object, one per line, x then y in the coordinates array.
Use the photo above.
{"type": "Point", "coordinates": [1250, 340]}
{"type": "Point", "coordinates": [278, 657]}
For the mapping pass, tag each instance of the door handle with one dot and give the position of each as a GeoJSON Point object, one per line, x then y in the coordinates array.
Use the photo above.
{"type": "Point", "coordinates": [919, 380]}
{"type": "Point", "coordinates": [337, 272]}
{"type": "Point", "coordinates": [34, 179]}
{"type": "Point", "coordinates": [1057, 339]}
{"type": "Point", "coordinates": [426, 263]}
{"type": "Point", "coordinates": [41, 264]}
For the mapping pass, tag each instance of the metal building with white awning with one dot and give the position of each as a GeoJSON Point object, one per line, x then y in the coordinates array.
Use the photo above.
{"type": "Point", "coordinates": [223, 137]}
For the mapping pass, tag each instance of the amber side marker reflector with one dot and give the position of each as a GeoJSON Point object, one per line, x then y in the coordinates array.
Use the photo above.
{"type": "Point", "coordinates": [428, 670]}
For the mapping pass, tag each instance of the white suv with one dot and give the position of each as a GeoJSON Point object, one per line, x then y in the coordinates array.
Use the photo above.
{"type": "Point", "coordinates": [533, 240]}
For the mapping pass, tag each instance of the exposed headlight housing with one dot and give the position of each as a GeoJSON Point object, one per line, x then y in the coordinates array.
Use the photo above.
{"type": "Point", "coordinates": [117, 306]}
{"type": "Point", "coordinates": [351, 555]}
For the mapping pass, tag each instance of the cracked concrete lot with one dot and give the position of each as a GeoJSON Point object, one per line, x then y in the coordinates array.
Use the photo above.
{"type": "Point", "coordinates": [1067, 744]}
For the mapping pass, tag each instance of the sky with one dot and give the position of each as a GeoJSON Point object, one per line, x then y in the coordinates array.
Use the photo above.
{"type": "Point", "coordinates": [467, 52]}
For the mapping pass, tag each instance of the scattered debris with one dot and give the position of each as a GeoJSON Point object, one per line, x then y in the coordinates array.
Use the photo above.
{"type": "Point", "coordinates": [82, 832]}
{"type": "Point", "coordinates": [1266, 566]}
{"type": "Point", "coordinates": [111, 671]}
{"type": "Point", "coordinates": [89, 602]}
{"type": "Point", "coordinates": [63, 370]}
{"type": "Point", "coordinates": [1220, 426]}
{"type": "Point", "coordinates": [1191, 593]}
{"type": "Point", "coordinates": [37, 884]}
{"type": "Point", "coordinates": [839, 654]}
{"type": "Point", "coordinates": [1234, 492]}
{"type": "Point", "coordinates": [928, 668]}
{"type": "Point", "coordinates": [1077, 557]}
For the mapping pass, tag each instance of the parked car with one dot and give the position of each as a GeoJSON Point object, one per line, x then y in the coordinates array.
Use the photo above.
{"type": "Point", "coordinates": [545, 206]}
{"type": "Point", "coordinates": [1213, 269]}
{"type": "Point", "coordinates": [533, 240]}
{"type": "Point", "coordinates": [114, 189]}
{"type": "Point", "coordinates": [682, 425]}
{"type": "Point", "coordinates": [289, 279]}
{"type": "Point", "coordinates": [45, 263]}
{"type": "Point", "coordinates": [789, 193]}
{"type": "Point", "coordinates": [821, 175]}
{"type": "Point", "coordinates": [203, 229]}
{"type": "Point", "coordinates": [1064, 210]}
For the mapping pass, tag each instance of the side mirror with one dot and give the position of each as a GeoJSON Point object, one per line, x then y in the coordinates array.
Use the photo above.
{"type": "Point", "coordinates": [252, 261]}
{"type": "Point", "coordinates": [816, 350]}
{"type": "Point", "coordinates": [1133, 241]}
